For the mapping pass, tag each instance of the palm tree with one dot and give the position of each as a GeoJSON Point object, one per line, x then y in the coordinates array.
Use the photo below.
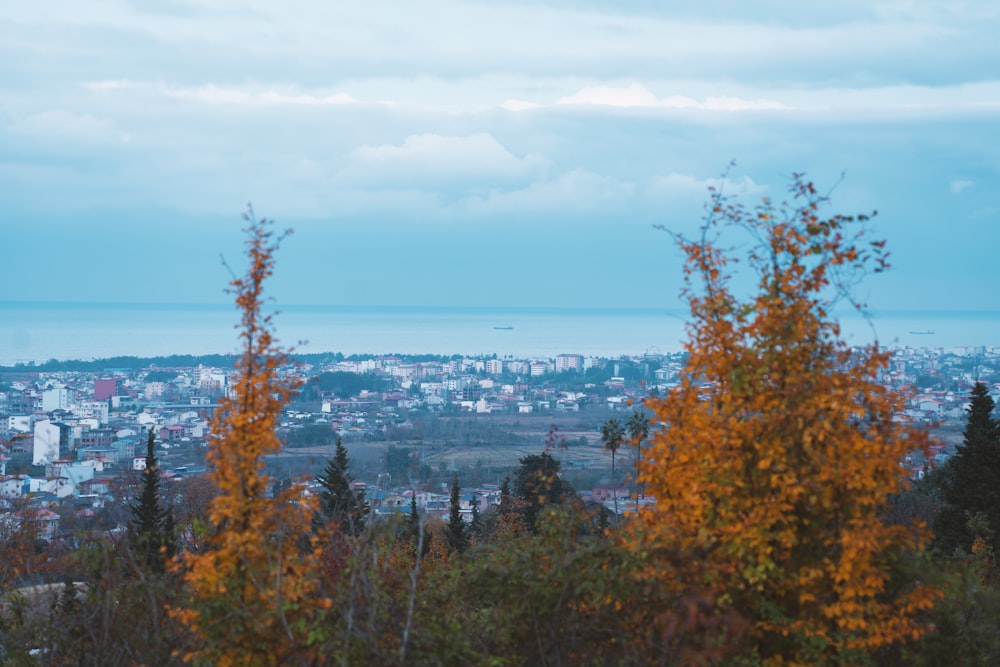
{"type": "Point", "coordinates": [638, 432]}
{"type": "Point", "coordinates": [612, 435]}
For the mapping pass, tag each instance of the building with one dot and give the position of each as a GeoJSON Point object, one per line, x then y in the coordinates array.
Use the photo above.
{"type": "Point", "coordinates": [569, 362]}
{"type": "Point", "coordinates": [50, 443]}
{"type": "Point", "coordinates": [105, 388]}
{"type": "Point", "coordinates": [55, 399]}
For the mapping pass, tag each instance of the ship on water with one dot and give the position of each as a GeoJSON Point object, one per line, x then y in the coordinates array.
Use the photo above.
{"type": "Point", "coordinates": [928, 332]}
{"type": "Point", "coordinates": [504, 328]}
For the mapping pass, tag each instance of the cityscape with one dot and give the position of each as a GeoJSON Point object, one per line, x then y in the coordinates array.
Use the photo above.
{"type": "Point", "coordinates": [70, 438]}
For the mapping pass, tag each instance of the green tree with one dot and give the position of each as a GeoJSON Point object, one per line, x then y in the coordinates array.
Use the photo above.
{"type": "Point", "coordinates": [612, 435]}
{"type": "Point", "coordinates": [151, 530]}
{"type": "Point", "coordinates": [638, 433]}
{"type": "Point", "coordinates": [476, 525]}
{"type": "Point", "coordinates": [339, 502]}
{"type": "Point", "coordinates": [538, 484]}
{"type": "Point", "coordinates": [456, 531]}
{"type": "Point", "coordinates": [971, 489]}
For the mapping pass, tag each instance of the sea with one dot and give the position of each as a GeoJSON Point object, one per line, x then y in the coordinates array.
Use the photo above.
{"type": "Point", "coordinates": [38, 332]}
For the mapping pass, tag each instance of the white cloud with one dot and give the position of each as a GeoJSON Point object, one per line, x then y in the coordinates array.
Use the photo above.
{"type": "Point", "coordinates": [519, 105]}
{"type": "Point", "coordinates": [685, 183]}
{"type": "Point", "coordinates": [959, 186]}
{"type": "Point", "coordinates": [475, 160]}
{"type": "Point", "coordinates": [637, 95]}
{"type": "Point", "coordinates": [213, 94]}
{"type": "Point", "coordinates": [576, 191]}
{"type": "Point", "coordinates": [61, 125]}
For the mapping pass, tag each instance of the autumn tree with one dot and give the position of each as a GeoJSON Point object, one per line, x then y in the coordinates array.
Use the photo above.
{"type": "Point", "coordinates": [151, 531]}
{"type": "Point", "coordinates": [779, 447]}
{"type": "Point", "coordinates": [250, 585]}
{"type": "Point", "coordinates": [971, 487]}
{"type": "Point", "coordinates": [338, 501]}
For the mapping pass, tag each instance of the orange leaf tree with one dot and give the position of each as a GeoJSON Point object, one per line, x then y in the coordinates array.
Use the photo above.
{"type": "Point", "coordinates": [778, 448]}
{"type": "Point", "coordinates": [250, 586]}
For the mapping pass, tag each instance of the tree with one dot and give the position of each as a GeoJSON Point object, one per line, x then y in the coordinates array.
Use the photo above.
{"type": "Point", "coordinates": [456, 531]}
{"type": "Point", "coordinates": [779, 447]}
{"type": "Point", "coordinates": [476, 525]}
{"type": "Point", "coordinates": [638, 431]}
{"type": "Point", "coordinates": [971, 489]}
{"type": "Point", "coordinates": [152, 527]}
{"type": "Point", "coordinates": [338, 501]}
{"type": "Point", "coordinates": [612, 435]}
{"type": "Point", "coordinates": [538, 484]}
{"type": "Point", "coordinates": [249, 588]}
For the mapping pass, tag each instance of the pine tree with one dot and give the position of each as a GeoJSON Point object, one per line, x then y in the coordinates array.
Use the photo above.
{"type": "Point", "coordinates": [456, 531]}
{"type": "Point", "coordinates": [152, 527]}
{"type": "Point", "coordinates": [339, 502]}
{"type": "Point", "coordinates": [538, 484]}
{"type": "Point", "coordinates": [971, 487]}
{"type": "Point", "coordinates": [476, 525]}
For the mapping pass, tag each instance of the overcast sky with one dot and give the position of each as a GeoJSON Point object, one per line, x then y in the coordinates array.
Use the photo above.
{"type": "Point", "coordinates": [483, 153]}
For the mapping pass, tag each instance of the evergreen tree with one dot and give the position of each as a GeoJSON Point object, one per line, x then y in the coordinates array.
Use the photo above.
{"type": "Point", "coordinates": [506, 500]}
{"type": "Point", "coordinates": [456, 532]}
{"type": "Point", "coordinates": [476, 525]}
{"type": "Point", "coordinates": [338, 501]}
{"type": "Point", "coordinates": [152, 527]}
{"type": "Point", "coordinates": [971, 487]}
{"type": "Point", "coordinates": [538, 484]}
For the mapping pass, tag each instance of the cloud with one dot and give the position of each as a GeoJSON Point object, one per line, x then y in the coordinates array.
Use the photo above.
{"type": "Point", "coordinates": [61, 125]}
{"type": "Point", "coordinates": [519, 105]}
{"type": "Point", "coordinates": [422, 160]}
{"type": "Point", "coordinates": [959, 186]}
{"type": "Point", "coordinates": [637, 95]}
{"type": "Point", "coordinates": [573, 192]}
{"type": "Point", "coordinates": [213, 94]}
{"type": "Point", "coordinates": [685, 183]}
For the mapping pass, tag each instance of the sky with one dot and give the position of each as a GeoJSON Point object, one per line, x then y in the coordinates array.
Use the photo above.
{"type": "Point", "coordinates": [461, 153]}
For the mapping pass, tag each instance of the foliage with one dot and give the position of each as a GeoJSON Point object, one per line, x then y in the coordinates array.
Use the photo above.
{"type": "Point", "coordinates": [339, 503]}
{"type": "Point", "coordinates": [309, 435]}
{"type": "Point", "coordinates": [638, 427]}
{"type": "Point", "coordinates": [779, 446]}
{"type": "Point", "coordinates": [537, 484]}
{"type": "Point", "coordinates": [456, 532]}
{"type": "Point", "coordinates": [151, 531]}
{"type": "Point", "coordinates": [249, 587]}
{"type": "Point", "coordinates": [105, 609]}
{"type": "Point", "coordinates": [971, 484]}
{"type": "Point", "coordinates": [613, 435]}
{"type": "Point", "coordinates": [963, 623]}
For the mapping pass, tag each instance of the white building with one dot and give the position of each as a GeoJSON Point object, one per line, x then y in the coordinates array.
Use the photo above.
{"type": "Point", "coordinates": [46, 446]}
{"type": "Point", "coordinates": [55, 399]}
{"type": "Point", "coordinates": [569, 362]}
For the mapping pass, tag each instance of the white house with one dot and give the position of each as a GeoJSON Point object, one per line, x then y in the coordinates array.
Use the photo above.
{"type": "Point", "coordinates": [46, 445]}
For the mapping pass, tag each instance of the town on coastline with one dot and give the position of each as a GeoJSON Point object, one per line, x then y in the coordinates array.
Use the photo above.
{"type": "Point", "coordinates": [72, 441]}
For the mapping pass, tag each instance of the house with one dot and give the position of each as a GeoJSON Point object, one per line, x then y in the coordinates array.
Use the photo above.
{"type": "Point", "coordinates": [45, 523]}
{"type": "Point", "coordinates": [14, 486]}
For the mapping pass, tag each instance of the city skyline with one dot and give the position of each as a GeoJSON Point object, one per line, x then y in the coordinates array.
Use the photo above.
{"type": "Point", "coordinates": [510, 153]}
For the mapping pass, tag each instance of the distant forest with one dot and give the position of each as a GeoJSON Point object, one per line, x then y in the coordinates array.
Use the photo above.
{"type": "Point", "coordinates": [130, 363]}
